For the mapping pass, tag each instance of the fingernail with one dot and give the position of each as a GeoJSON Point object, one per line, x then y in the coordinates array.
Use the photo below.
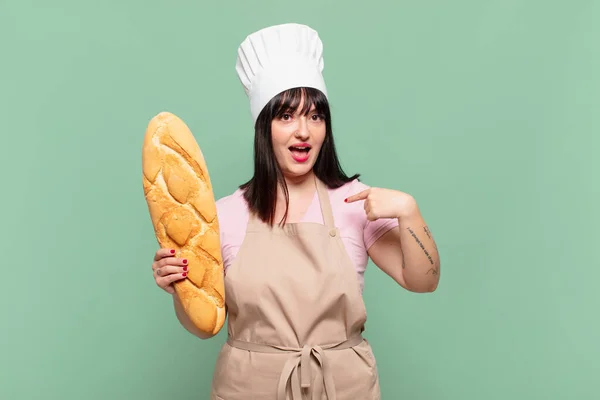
{"type": "Point", "coordinates": [185, 268]}
{"type": "Point", "coordinates": [172, 251]}
{"type": "Point", "coordinates": [184, 274]}
{"type": "Point", "coordinates": [345, 200]}
{"type": "Point", "coordinates": [184, 261]}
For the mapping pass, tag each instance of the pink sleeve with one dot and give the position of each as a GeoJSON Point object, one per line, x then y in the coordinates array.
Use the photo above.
{"type": "Point", "coordinates": [373, 230]}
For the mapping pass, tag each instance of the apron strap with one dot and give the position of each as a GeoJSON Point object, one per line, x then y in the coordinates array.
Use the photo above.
{"type": "Point", "coordinates": [325, 205]}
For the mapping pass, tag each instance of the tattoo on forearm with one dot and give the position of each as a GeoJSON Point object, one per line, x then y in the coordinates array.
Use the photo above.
{"type": "Point", "coordinates": [429, 235]}
{"type": "Point", "coordinates": [426, 229]}
{"type": "Point", "coordinates": [433, 271]}
{"type": "Point", "coordinates": [421, 245]}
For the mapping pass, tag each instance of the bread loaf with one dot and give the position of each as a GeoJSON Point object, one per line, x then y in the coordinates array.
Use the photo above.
{"type": "Point", "coordinates": [182, 208]}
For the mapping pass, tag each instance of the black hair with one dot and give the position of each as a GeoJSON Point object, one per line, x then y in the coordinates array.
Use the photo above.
{"type": "Point", "coordinates": [260, 192]}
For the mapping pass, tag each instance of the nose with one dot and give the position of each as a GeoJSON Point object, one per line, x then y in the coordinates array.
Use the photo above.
{"type": "Point", "coordinates": [303, 132]}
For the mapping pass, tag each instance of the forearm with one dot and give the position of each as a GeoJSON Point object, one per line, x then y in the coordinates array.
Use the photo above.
{"type": "Point", "coordinates": [421, 261]}
{"type": "Point", "coordinates": [185, 320]}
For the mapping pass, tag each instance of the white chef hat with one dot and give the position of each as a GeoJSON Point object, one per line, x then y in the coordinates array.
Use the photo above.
{"type": "Point", "coordinates": [278, 58]}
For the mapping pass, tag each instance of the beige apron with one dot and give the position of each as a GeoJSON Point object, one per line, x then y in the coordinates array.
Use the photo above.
{"type": "Point", "coordinates": [295, 317]}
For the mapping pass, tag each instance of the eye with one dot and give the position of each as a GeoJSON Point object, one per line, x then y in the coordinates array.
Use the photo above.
{"type": "Point", "coordinates": [317, 117]}
{"type": "Point", "coordinates": [286, 117]}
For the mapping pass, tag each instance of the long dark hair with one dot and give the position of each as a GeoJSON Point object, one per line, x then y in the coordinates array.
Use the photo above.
{"type": "Point", "coordinates": [260, 192]}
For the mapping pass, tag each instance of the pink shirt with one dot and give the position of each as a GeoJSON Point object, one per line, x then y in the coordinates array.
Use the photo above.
{"type": "Point", "coordinates": [358, 233]}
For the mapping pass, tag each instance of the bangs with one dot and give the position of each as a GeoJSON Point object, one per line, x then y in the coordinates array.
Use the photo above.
{"type": "Point", "coordinates": [289, 101]}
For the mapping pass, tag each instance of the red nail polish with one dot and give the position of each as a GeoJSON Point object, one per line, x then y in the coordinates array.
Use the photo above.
{"type": "Point", "coordinates": [184, 274]}
{"type": "Point", "coordinates": [172, 251]}
{"type": "Point", "coordinates": [345, 200]}
{"type": "Point", "coordinates": [185, 261]}
{"type": "Point", "coordinates": [185, 268]}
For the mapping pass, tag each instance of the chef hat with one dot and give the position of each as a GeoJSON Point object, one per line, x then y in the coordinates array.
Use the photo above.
{"type": "Point", "coordinates": [278, 58]}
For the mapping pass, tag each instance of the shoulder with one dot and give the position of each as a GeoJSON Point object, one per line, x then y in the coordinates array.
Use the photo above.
{"type": "Point", "coordinates": [231, 202]}
{"type": "Point", "coordinates": [355, 187]}
{"type": "Point", "coordinates": [232, 210]}
{"type": "Point", "coordinates": [348, 189]}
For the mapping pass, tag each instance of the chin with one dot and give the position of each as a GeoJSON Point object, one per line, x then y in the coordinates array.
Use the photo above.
{"type": "Point", "coordinates": [298, 171]}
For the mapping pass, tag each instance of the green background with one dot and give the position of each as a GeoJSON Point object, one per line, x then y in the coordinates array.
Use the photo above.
{"type": "Point", "coordinates": [485, 111]}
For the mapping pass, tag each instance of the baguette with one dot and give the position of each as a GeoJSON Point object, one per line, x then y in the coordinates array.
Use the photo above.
{"type": "Point", "coordinates": [181, 203]}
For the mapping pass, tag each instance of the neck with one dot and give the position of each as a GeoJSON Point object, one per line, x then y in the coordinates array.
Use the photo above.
{"type": "Point", "coordinates": [300, 191]}
{"type": "Point", "coordinates": [300, 184]}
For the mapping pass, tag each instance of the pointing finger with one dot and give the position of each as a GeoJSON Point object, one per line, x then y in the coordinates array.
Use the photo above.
{"type": "Point", "coordinates": [359, 196]}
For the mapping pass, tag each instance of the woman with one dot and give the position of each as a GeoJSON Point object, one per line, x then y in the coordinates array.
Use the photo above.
{"type": "Point", "coordinates": [296, 239]}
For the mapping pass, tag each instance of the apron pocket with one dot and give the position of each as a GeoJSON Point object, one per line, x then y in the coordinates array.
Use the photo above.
{"type": "Point", "coordinates": [364, 351]}
{"type": "Point", "coordinates": [221, 367]}
{"type": "Point", "coordinates": [355, 373]}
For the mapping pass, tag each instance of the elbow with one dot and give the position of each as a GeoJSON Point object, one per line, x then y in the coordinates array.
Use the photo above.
{"type": "Point", "coordinates": [432, 288]}
{"type": "Point", "coordinates": [423, 288]}
{"type": "Point", "coordinates": [432, 283]}
{"type": "Point", "coordinates": [421, 285]}
{"type": "Point", "coordinates": [205, 336]}
{"type": "Point", "coordinates": [198, 333]}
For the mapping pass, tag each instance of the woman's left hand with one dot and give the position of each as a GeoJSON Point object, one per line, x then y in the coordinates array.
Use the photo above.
{"type": "Point", "coordinates": [385, 203]}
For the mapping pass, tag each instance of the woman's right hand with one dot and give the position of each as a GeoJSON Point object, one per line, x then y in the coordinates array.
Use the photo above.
{"type": "Point", "coordinates": [167, 269]}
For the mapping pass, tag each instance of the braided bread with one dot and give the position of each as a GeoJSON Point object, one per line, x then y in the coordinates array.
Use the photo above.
{"type": "Point", "coordinates": [182, 208]}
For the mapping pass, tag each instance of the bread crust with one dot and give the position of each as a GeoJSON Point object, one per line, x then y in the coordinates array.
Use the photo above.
{"type": "Point", "coordinates": [182, 207]}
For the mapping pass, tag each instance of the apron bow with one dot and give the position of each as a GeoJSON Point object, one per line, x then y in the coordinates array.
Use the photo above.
{"type": "Point", "coordinates": [297, 372]}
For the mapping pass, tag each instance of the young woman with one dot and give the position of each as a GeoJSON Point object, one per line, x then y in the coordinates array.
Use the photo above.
{"type": "Point", "coordinates": [296, 239]}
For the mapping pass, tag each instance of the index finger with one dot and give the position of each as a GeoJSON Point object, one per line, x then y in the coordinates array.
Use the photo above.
{"type": "Point", "coordinates": [162, 253]}
{"type": "Point", "coordinates": [358, 196]}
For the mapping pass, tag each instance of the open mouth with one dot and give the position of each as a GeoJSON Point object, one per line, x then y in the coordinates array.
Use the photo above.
{"type": "Point", "coordinates": [300, 153]}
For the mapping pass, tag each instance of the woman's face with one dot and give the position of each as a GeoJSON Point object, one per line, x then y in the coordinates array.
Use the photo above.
{"type": "Point", "coordinates": [297, 141]}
